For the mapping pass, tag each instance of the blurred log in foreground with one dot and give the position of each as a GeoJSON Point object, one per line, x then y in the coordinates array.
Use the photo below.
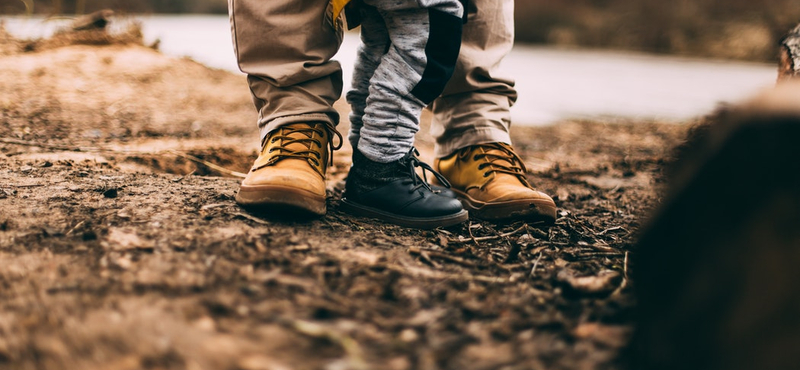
{"type": "Point", "coordinates": [789, 65]}
{"type": "Point", "coordinates": [717, 270]}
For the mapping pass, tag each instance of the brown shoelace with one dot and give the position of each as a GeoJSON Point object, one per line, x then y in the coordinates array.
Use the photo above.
{"type": "Point", "coordinates": [412, 161]}
{"type": "Point", "coordinates": [308, 140]}
{"type": "Point", "coordinates": [514, 167]}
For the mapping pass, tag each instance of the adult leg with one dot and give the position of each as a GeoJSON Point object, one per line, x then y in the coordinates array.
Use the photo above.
{"type": "Point", "coordinates": [285, 47]}
{"type": "Point", "coordinates": [474, 107]}
{"type": "Point", "coordinates": [409, 52]}
{"type": "Point", "coordinates": [472, 122]}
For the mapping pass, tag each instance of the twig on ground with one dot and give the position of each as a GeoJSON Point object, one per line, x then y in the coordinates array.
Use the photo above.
{"type": "Point", "coordinates": [535, 265]}
{"type": "Point", "coordinates": [207, 164]}
{"type": "Point", "coordinates": [625, 271]}
{"type": "Point", "coordinates": [251, 218]}
{"type": "Point", "coordinates": [79, 224]}
{"type": "Point", "coordinates": [538, 250]}
{"type": "Point", "coordinates": [350, 346]}
{"type": "Point", "coordinates": [486, 238]}
{"type": "Point", "coordinates": [610, 229]}
{"type": "Point", "coordinates": [26, 185]}
{"type": "Point", "coordinates": [624, 277]}
{"type": "Point", "coordinates": [427, 258]}
{"type": "Point", "coordinates": [602, 248]}
{"type": "Point", "coordinates": [214, 205]}
{"type": "Point", "coordinates": [586, 256]}
{"type": "Point", "coordinates": [430, 253]}
{"type": "Point", "coordinates": [537, 233]}
{"type": "Point", "coordinates": [179, 179]}
{"type": "Point", "coordinates": [437, 275]}
{"type": "Point", "coordinates": [472, 237]}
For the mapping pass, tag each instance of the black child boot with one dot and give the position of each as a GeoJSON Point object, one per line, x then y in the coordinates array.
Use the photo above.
{"type": "Point", "coordinates": [393, 192]}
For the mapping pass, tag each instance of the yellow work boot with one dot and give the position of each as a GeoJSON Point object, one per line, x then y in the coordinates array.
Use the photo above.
{"type": "Point", "coordinates": [489, 179]}
{"type": "Point", "coordinates": [290, 171]}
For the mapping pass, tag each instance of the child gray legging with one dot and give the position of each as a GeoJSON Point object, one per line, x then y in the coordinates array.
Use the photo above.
{"type": "Point", "coordinates": [407, 55]}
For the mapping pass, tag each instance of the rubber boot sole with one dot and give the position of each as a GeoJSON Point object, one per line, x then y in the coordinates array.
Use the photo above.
{"type": "Point", "coordinates": [281, 197]}
{"type": "Point", "coordinates": [424, 223]}
{"type": "Point", "coordinates": [522, 209]}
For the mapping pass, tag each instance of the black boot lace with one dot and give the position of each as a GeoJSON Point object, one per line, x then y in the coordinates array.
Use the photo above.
{"type": "Point", "coordinates": [412, 161]}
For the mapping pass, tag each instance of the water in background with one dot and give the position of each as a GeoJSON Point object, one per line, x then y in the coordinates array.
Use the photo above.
{"type": "Point", "coordinates": [553, 84]}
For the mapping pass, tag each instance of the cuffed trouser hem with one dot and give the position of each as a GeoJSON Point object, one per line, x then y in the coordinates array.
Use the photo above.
{"type": "Point", "coordinates": [267, 127]}
{"type": "Point", "coordinates": [472, 137]}
{"type": "Point", "coordinates": [285, 48]}
{"type": "Point", "coordinates": [469, 119]}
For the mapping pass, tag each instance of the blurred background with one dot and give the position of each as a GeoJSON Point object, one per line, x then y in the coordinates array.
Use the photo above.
{"type": "Point", "coordinates": [669, 61]}
{"type": "Point", "coordinates": [730, 29]}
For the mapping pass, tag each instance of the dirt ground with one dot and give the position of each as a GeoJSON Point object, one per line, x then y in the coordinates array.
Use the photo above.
{"type": "Point", "coordinates": [121, 246]}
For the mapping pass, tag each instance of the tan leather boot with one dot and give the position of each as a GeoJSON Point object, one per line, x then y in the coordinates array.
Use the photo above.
{"type": "Point", "coordinates": [489, 179]}
{"type": "Point", "coordinates": [290, 171]}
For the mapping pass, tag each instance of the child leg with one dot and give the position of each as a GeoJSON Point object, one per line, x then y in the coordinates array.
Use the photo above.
{"type": "Point", "coordinates": [407, 56]}
{"type": "Point", "coordinates": [413, 70]}
{"type": "Point", "coordinates": [373, 46]}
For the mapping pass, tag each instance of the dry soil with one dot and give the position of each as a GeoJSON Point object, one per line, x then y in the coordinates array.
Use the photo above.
{"type": "Point", "coordinates": [121, 246]}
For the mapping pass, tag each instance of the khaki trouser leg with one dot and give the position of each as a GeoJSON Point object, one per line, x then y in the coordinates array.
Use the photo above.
{"type": "Point", "coordinates": [474, 108]}
{"type": "Point", "coordinates": [285, 47]}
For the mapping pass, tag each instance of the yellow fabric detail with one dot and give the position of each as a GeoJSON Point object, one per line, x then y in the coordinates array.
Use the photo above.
{"type": "Point", "coordinates": [334, 12]}
{"type": "Point", "coordinates": [338, 6]}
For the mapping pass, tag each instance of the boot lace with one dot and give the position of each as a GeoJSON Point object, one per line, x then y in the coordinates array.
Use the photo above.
{"type": "Point", "coordinates": [504, 160]}
{"type": "Point", "coordinates": [287, 135]}
{"type": "Point", "coordinates": [412, 161]}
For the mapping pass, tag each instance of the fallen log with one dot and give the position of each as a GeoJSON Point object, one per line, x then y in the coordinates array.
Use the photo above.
{"type": "Point", "coordinates": [717, 269]}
